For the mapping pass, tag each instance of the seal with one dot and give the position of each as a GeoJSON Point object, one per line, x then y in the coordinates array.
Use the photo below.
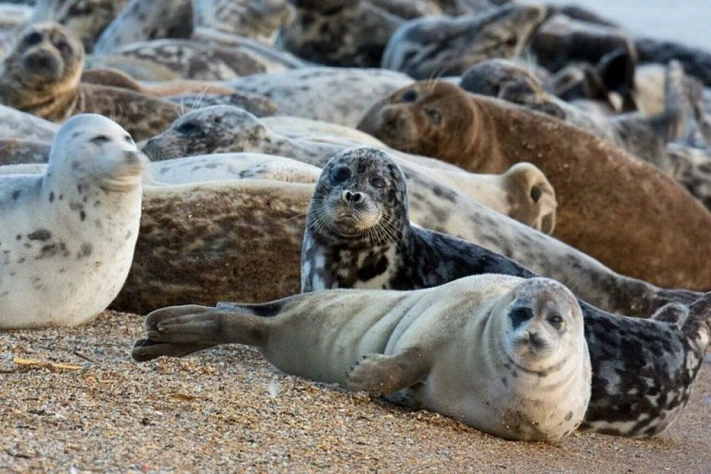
{"type": "Point", "coordinates": [332, 94]}
{"type": "Point", "coordinates": [17, 151]}
{"type": "Point", "coordinates": [142, 20]}
{"type": "Point", "coordinates": [522, 192]}
{"type": "Point", "coordinates": [199, 59]}
{"type": "Point", "coordinates": [23, 126]}
{"type": "Point", "coordinates": [358, 235]}
{"type": "Point", "coordinates": [86, 18]}
{"type": "Point", "coordinates": [259, 20]}
{"type": "Point", "coordinates": [504, 355]}
{"type": "Point", "coordinates": [654, 236]}
{"type": "Point", "coordinates": [345, 34]}
{"type": "Point", "coordinates": [70, 234]}
{"type": "Point", "coordinates": [409, 9]}
{"type": "Point", "coordinates": [445, 46]}
{"type": "Point", "coordinates": [42, 76]}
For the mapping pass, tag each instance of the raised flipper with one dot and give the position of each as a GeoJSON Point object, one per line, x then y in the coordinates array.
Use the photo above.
{"type": "Point", "coordinates": [380, 374]}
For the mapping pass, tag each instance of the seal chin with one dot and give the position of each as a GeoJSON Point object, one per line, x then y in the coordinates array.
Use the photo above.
{"type": "Point", "coordinates": [530, 352]}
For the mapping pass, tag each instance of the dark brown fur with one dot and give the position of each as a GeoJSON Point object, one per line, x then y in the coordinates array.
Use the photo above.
{"type": "Point", "coordinates": [617, 209]}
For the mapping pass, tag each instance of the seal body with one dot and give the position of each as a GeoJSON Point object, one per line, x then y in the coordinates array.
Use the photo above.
{"type": "Point", "coordinates": [141, 20]}
{"type": "Point", "coordinates": [358, 236]}
{"type": "Point", "coordinates": [654, 236]}
{"type": "Point", "coordinates": [431, 47]}
{"type": "Point", "coordinates": [504, 355]}
{"type": "Point", "coordinates": [254, 19]}
{"type": "Point", "coordinates": [338, 95]}
{"type": "Point", "coordinates": [68, 236]}
{"type": "Point", "coordinates": [352, 35]}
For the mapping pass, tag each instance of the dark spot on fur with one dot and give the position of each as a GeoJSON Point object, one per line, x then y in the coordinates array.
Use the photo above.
{"type": "Point", "coordinates": [40, 234]}
{"type": "Point", "coordinates": [51, 196]}
{"type": "Point", "coordinates": [266, 310]}
{"type": "Point", "coordinates": [16, 194]}
{"type": "Point", "coordinates": [85, 251]}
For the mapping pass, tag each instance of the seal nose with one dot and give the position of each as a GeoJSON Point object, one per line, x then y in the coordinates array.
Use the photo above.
{"type": "Point", "coordinates": [350, 197]}
{"type": "Point", "coordinates": [134, 158]}
{"type": "Point", "coordinates": [391, 116]}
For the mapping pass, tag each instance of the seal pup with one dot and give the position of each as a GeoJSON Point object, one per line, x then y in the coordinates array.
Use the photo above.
{"type": "Point", "coordinates": [655, 236]}
{"type": "Point", "coordinates": [350, 34]}
{"type": "Point", "coordinates": [337, 95]}
{"type": "Point", "coordinates": [522, 192]}
{"type": "Point", "coordinates": [70, 234]}
{"type": "Point", "coordinates": [42, 76]}
{"type": "Point", "coordinates": [86, 18]}
{"type": "Point", "coordinates": [142, 20]}
{"type": "Point", "coordinates": [504, 355]}
{"type": "Point", "coordinates": [259, 19]}
{"type": "Point", "coordinates": [435, 46]}
{"type": "Point", "coordinates": [358, 235]}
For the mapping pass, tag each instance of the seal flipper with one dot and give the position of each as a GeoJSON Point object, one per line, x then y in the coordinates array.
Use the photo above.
{"type": "Point", "coordinates": [146, 349]}
{"type": "Point", "coordinates": [697, 326]}
{"type": "Point", "coordinates": [381, 374]}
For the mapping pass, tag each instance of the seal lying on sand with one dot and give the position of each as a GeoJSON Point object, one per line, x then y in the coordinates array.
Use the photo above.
{"type": "Point", "coordinates": [358, 235]}
{"type": "Point", "coordinates": [617, 209]}
{"type": "Point", "coordinates": [68, 237]}
{"type": "Point", "coordinates": [504, 355]}
{"type": "Point", "coordinates": [41, 76]}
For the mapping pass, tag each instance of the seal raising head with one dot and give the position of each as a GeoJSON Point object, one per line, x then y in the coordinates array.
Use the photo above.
{"type": "Point", "coordinates": [68, 237]}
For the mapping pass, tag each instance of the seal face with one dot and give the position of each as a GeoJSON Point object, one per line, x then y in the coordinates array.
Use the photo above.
{"type": "Point", "coordinates": [461, 349]}
{"type": "Point", "coordinates": [624, 401]}
{"type": "Point", "coordinates": [69, 236]}
{"type": "Point", "coordinates": [42, 71]}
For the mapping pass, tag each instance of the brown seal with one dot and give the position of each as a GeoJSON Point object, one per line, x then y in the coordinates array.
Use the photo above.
{"type": "Point", "coordinates": [42, 76]}
{"type": "Point", "coordinates": [617, 209]}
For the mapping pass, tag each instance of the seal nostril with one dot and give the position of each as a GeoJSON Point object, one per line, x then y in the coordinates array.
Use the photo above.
{"type": "Point", "coordinates": [357, 197]}
{"type": "Point", "coordinates": [536, 193]}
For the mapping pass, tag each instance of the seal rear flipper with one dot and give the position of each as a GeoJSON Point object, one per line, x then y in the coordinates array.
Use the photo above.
{"type": "Point", "coordinates": [381, 374]}
{"type": "Point", "coordinates": [147, 349]}
{"type": "Point", "coordinates": [697, 326]}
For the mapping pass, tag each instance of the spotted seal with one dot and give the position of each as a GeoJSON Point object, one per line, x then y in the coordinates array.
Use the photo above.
{"type": "Point", "coordinates": [655, 235]}
{"type": "Point", "coordinates": [86, 18]}
{"type": "Point", "coordinates": [337, 95]}
{"type": "Point", "coordinates": [70, 234]}
{"type": "Point", "coordinates": [346, 34]}
{"type": "Point", "coordinates": [42, 76]}
{"type": "Point", "coordinates": [504, 355]}
{"type": "Point", "coordinates": [259, 20]}
{"type": "Point", "coordinates": [435, 46]}
{"type": "Point", "coordinates": [358, 235]}
{"type": "Point", "coordinates": [141, 20]}
{"type": "Point", "coordinates": [200, 59]}
{"type": "Point", "coordinates": [522, 192]}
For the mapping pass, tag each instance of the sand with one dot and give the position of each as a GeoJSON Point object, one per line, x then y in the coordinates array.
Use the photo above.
{"type": "Point", "coordinates": [74, 401]}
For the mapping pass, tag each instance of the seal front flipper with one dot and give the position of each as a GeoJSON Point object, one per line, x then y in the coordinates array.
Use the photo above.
{"type": "Point", "coordinates": [381, 374]}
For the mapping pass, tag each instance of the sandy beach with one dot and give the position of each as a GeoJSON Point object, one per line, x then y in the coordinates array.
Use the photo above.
{"type": "Point", "coordinates": [74, 401]}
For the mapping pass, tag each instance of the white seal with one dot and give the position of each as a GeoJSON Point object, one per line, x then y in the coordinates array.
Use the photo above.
{"type": "Point", "coordinates": [68, 236]}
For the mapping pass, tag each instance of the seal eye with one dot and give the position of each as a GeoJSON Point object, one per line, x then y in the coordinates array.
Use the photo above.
{"type": "Point", "coordinates": [556, 321]}
{"type": "Point", "coordinates": [340, 175]}
{"type": "Point", "coordinates": [377, 182]}
{"type": "Point", "coordinates": [409, 96]}
{"type": "Point", "coordinates": [187, 128]}
{"type": "Point", "coordinates": [32, 39]}
{"type": "Point", "coordinates": [62, 46]}
{"type": "Point", "coordinates": [434, 116]}
{"type": "Point", "coordinates": [99, 139]}
{"type": "Point", "coordinates": [520, 315]}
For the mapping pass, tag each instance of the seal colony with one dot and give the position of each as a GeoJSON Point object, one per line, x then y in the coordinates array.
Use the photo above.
{"type": "Point", "coordinates": [68, 237]}
{"type": "Point", "coordinates": [358, 235]}
{"type": "Point", "coordinates": [504, 355]}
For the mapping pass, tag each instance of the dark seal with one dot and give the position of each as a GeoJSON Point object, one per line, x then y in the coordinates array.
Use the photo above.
{"type": "Point", "coordinates": [358, 235]}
